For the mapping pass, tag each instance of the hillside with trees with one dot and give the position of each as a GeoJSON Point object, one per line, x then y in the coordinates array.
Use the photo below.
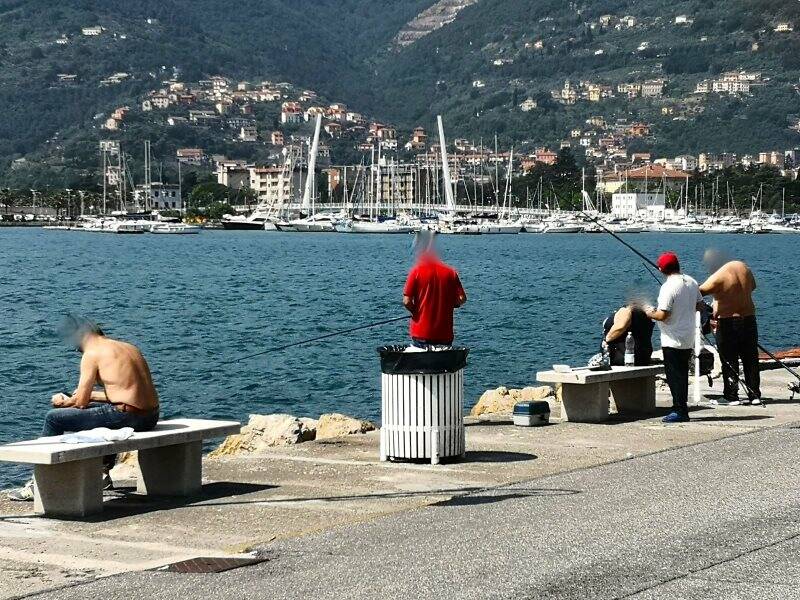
{"type": "Point", "coordinates": [476, 70]}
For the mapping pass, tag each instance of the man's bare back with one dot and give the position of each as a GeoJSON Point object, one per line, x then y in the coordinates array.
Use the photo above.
{"type": "Point", "coordinates": [124, 374]}
{"type": "Point", "coordinates": [120, 369]}
{"type": "Point", "coordinates": [732, 286]}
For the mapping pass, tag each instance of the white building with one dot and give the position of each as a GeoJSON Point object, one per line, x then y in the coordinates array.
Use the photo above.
{"type": "Point", "coordinates": [248, 133]}
{"type": "Point", "coordinates": [158, 196]}
{"type": "Point", "coordinates": [271, 184]}
{"type": "Point", "coordinates": [685, 162]}
{"type": "Point", "coordinates": [92, 31]}
{"type": "Point", "coordinates": [233, 174]}
{"type": "Point", "coordinates": [730, 86]}
{"type": "Point", "coordinates": [638, 205]}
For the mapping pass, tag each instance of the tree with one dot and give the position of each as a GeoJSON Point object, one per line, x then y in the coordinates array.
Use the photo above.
{"type": "Point", "coordinates": [219, 209]}
{"type": "Point", "coordinates": [206, 194]}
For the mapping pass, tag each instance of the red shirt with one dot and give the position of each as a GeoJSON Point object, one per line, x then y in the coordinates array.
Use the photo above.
{"type": "Point", "coordinates": [435, 290]}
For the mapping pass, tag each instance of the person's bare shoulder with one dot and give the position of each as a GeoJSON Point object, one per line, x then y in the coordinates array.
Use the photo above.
{"type": "Point", "coordinates": [738, 266]}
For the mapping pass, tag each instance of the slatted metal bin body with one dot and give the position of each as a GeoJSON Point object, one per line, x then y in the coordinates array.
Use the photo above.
{"type": "Point", "coordinates": [423, 413]}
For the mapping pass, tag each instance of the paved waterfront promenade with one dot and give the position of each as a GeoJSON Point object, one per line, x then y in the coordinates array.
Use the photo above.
{"type": "Point", "coordinates": [624, 510]}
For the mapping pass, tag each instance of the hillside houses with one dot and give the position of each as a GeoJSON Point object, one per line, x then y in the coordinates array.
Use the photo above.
{"type": "Point", "coordinates": [291, 113]}
{"type": "Point", "coordinates": [733, 82]}
{"type": "Point", "coordinates": [596, 92]}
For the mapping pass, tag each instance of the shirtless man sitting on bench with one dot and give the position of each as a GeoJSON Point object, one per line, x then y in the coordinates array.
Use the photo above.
{"type": "Point", "coordinates": [128, 397]}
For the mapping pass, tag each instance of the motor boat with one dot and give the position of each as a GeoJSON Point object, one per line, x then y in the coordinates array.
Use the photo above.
{"type": "Point", "coordinates": [719, 228]}
{"type": "Point", "coordinates": [175, 228]}
{"type": "Point", "coordinates": [368, 226]}
{"type": "Point", "coordinates": [253, 222]}
{"type": "Point", "coordinates": [559, 227]}
{"type": "Point", "coordinates": [501, 226]}
{"type": "Point", "coordinates": [317, 223]}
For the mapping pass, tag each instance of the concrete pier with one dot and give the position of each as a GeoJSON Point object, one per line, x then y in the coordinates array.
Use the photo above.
{"type": "Point", "coordinates": [333, 493]}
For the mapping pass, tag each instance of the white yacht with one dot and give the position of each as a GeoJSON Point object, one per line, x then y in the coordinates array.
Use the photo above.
{"type": "Point", "coordinates": [320, 222]}
{"type": "Point", "coordinates": [174, 229]}
{"type": "Point", "coordinates": [500, 226]}
{"type": "Point", "coordinates": [257, 221]}
{"type": "Point", "coordinates": [722, 228]}
{"type": "Point", "coordinates": [359, 226]}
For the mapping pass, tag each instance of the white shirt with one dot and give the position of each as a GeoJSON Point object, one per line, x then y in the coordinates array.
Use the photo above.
{"type": "Point", "coordinates": [679, 297]}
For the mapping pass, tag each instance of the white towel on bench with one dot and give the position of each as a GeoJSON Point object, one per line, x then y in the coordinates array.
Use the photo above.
{"type": "Point", "coordinates": [98, 434]}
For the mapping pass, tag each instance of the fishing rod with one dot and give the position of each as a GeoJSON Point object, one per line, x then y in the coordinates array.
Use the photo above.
{"type": "Point", "coordinates": [315, 339]}
{"type": "Point", "coordinates": [648, 263]}
{"type": "Point", "coordinates": [621, 241]}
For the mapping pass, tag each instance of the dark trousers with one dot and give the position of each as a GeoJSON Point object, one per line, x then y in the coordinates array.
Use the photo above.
{"type": "Point", "coordinates": [676, 367]}
{"type": "Point", "coordinates": [737, 338]}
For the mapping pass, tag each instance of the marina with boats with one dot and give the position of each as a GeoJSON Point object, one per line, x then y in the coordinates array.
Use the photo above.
{"type": "Point", "coordinates": [446, 194]}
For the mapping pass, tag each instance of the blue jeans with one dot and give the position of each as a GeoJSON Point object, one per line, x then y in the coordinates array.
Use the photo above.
{"type": "Point", "coordinates": [58, 421]}
{"type": "Point", "coordinates": [99, 414]}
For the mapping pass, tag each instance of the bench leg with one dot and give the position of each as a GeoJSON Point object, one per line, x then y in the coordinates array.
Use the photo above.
{"type": "Point", "coordinates": [171, 470]}
{"type": "Point", "coordinates": [634, 396]}
{"type": "Point", "coordinates": [586, 403]}
{"type": "Point", "coordinates": [72, 489]}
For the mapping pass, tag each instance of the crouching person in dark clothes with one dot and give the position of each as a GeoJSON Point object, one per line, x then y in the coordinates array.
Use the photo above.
{"type": "Point", "coordinates": [629, 319]}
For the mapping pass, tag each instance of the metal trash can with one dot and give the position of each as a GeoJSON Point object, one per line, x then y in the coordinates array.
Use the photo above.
{"type": "Point", "coordinates": [422, 403]}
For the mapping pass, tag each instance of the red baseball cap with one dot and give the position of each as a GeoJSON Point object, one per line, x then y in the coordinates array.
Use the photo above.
{"type": "Point", "coordinates": [668, 261]}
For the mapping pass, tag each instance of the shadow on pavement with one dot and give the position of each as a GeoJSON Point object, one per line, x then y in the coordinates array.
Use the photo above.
{"type": "Point", "coordinates": [495, 456]}
{"type": "Point", "coordinates": [516, 494]}
{"type": "Point", "coordinates": [127, 502]}
{"type": "Point", "coordinates": [732, 418]}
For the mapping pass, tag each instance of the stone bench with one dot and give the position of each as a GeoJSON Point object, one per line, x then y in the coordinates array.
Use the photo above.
{"type": "Point", "coordinates": [68, 477]}
{"type": "Point", "coordinates": [585, 393]}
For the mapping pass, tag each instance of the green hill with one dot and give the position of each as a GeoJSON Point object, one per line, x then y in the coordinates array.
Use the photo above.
{"type": "Point", "coordinates": [436, 74]}
{"type": "Point", "coordinates": [345, 50]}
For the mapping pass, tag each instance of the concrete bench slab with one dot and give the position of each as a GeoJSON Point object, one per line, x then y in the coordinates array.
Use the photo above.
{"type": "Point", "coordinates": [585, 393]}
{"type": "Point", "coordinates": [68, 477]}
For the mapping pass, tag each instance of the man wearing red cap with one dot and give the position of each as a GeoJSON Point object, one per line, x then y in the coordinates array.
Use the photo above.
{"type": "Point", "coordinates": [678, 301]}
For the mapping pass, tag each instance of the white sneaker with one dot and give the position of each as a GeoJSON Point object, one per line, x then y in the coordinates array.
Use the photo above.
{"type": "Point", "coordinates": [756, 402]}
{"type": "Point", "coordinates": [23, 494]}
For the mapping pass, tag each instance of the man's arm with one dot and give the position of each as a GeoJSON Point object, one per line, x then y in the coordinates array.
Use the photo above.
{"type": "Point", "coordinates": [408, 302]}
{"type": "Point", "coordinates": [461, 295]}
{"type": "Point", "coordinates": [710, 285]}
{"type": "Point", "coordinates": [656, 314]}
{"type": "Point", "coordinates": [85, 390]}
{"type": "Point", "coordinates": [622, 320]}
{"type": "Point", "coordinates": [408, 292]}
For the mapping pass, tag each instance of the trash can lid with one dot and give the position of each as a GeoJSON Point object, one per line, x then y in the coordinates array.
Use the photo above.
{"type": "Point", "coordinates": [535, 407]}
{"type": "Point", "coordinates": [396, 361]}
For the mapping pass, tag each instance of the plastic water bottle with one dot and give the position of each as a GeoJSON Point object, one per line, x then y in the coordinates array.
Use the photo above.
{"type": "Point", "coordinates": [630, 350]}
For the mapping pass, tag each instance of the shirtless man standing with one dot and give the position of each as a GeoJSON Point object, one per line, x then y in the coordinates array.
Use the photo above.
{"type": "Point", "coordinates": [128, 397]}
{"type": "Point", "coordinates": [732, 285]}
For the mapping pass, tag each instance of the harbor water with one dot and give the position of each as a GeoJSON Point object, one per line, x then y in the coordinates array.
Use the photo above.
{"type": "Point", "coordinates": [193, 304]}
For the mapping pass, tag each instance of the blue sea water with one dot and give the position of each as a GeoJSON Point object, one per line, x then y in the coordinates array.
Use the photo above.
{"type": "Point", "coordinates": [195, 303]}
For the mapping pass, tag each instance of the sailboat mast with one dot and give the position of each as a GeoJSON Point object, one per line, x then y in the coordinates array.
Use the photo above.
{"type": "Point", "coordinates": [308, 193]}
{"type": "Point", "coordinates": [448, 187]}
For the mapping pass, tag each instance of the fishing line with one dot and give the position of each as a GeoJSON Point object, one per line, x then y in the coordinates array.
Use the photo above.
{"type": "Point", "coordinates": [648, 263]}
{"type": "Point", "coordinates": [315, 339]}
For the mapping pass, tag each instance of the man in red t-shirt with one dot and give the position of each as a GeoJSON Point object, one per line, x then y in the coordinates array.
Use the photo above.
{"type": "Point", "coordinates": [431, 294]}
